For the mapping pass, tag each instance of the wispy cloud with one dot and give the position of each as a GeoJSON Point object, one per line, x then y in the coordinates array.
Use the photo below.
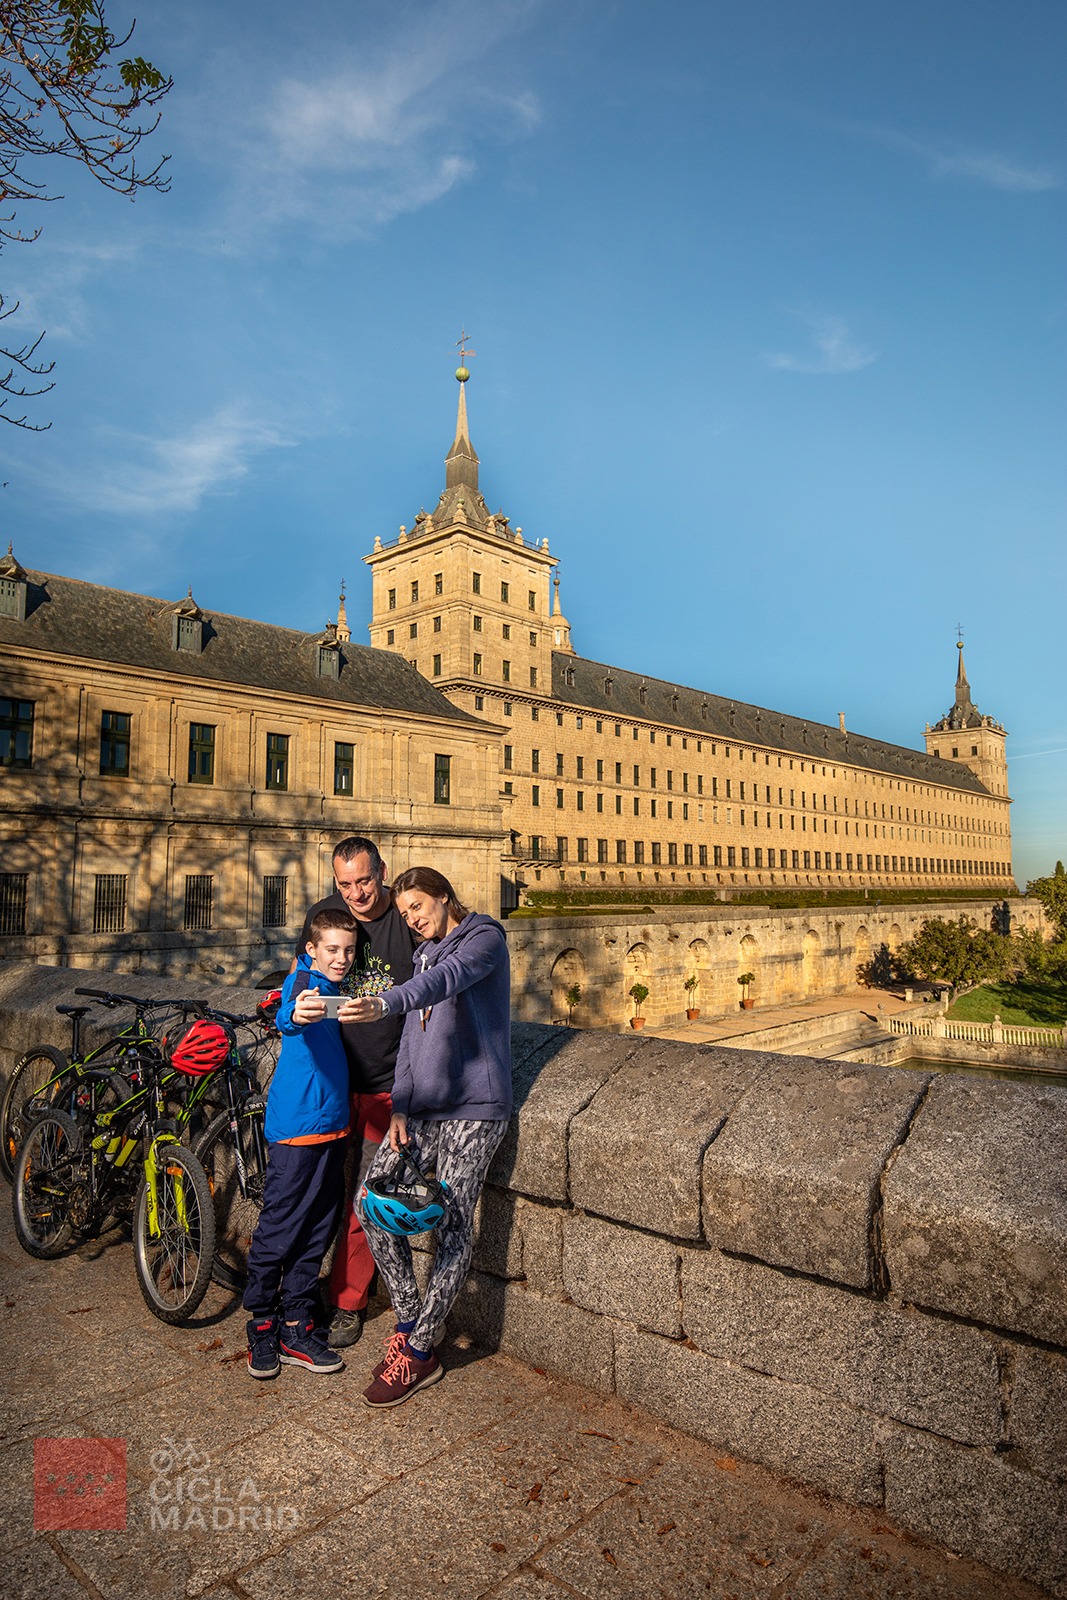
{"type": "Point", "coordinates": [949, 158]}
{"type": "Point", "coordinates": [835, 350]}
{"type": "Point", "coordinates": [345, 148]}
{"type": "Point", "coordinates": [145, 477]}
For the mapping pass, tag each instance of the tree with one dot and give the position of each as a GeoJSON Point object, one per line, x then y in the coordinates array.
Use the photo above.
{"type": "Point", "coordinates": [61, 94]}
{"type": "Point", "coordinates": [1052, 892]}
{"type": "Point", "coordinates": [573, 998]}
{"type": "Point", "coordinates": [957, 952]}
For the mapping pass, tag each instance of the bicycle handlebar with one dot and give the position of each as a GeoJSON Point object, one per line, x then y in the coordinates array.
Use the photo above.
{"type": "Point", "coordinates": [138, 1002]}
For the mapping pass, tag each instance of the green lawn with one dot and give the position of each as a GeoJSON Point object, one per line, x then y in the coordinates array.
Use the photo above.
{"type": "Point", "coordinates": [601, 902]}
{"type": "Point", "coordinates": [1042, 1005]}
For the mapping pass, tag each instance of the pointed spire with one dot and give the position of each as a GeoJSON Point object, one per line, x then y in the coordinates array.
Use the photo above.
{"type": "Point", "coordinates": [556, 609]}
{"type": "Point", "coordinates": [461, 462]}
{"type": "Point", "coordinates": [343, 630]}
{"type": "Point", "coordinates": [963, 688]}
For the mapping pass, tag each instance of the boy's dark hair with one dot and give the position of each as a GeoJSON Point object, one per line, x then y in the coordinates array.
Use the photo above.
{"type": "Point", "coordinates": [355, 845]}
{"type": "Point", "coordinates": [434, 883]}
{"type": "Point", "coordinates": [324, 920]}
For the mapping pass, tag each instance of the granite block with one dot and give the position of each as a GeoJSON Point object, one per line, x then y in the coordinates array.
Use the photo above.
{"type": "Point", "coordinates": [975, 1215]}
{"type": "Point", "coordinates": [621, 1272]}
{"type": "Point", "coordinates": [787, 1427]}
{"type": "Point", "coordinates": [636, 1150]}
{"type": "Point", "coordinates": [549, 1334]}
{"type": "Point", "coordinates": [793, 1178]}
{"type": "Point", "coordinates": [497, 1234]}
{"type": "Point", "coordinates": [1039, 1412]}
{"type": "Point", "coordinates": [895, 1361]}
{"type": "Point", "coordinates": [542, 1245]}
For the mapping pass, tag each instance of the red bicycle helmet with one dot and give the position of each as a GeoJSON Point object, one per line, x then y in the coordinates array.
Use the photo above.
{"type": "Point", "coordinates": [198, 1049]}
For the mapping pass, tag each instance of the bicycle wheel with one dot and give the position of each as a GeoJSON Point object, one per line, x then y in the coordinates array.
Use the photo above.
{"type": "Point", "coordinates": [36, 1069]}
{"type": "Point", "coordinates": [43, 1190]}
{"type": "Point", "coordinates": [174, 1267]}
{"type": "Point", "coordinates": [236, 1214]}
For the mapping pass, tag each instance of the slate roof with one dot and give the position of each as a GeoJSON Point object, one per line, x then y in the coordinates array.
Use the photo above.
{"type": "Point", "coordinates": [93, 623]}
{"type": "Point", "coordinates": [735, 722]}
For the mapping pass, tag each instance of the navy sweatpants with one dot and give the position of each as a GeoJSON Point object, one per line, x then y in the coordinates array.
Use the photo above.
{"type": "Point", "coordinates": [303, 1194]}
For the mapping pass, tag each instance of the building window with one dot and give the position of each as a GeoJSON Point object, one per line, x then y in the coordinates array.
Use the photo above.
{"type": "Point", "coordinates": [476, 623]}
{"type": "Point", "coordinates": [583, 849]}
{"type": "Point", "coordinates": [438, 583]}
{"type": "Point", "coordinates": [639, 853]}
{"type": "Point", "coordinates": [507, 708]}
{"type": "Point", "coordinates": [600, 802]}
{"type": "Point", "coordinates": [343, 770]}
{"type": "Point", "coordinates": [115, 746]}
{"type": "Point", "coordinates": [508, 754]}
{"type": "Point", "coordinates": [731, 856]}
{"type": "Point", "coordinates": [187, 634]}
{"type": "Point", "coordinates": [199, 897]}
{"type": "Point", "coordinates": [672, 855]}
{"type": "Point", "coordinates": [687, 855]}
{"type": "Point", "coordinates": [477, 665]}
{"type": "Point", "coordinates": [533, 677]}
{"type": "Point", "coordinates": [744, 856]}
{"type": "Point", "coordinates": [759, 859]}
{"type": "Point", "coordinates": [602, 851]}
{"type": "Point", "coordinates": [505, 671]}
{"type": "Point", "coordinates": [580, 772]}
{"type": "Point", "coordinates": [535, 795]}
{"type": "Point", "coordinates": [390, 637]}
{"type": "Point", "coordinates": [476, 583]}
{"type": "Point", "coordinates": [479, 702]}
{"type": "Point", "coordinates": [442, 780]}
{"type": "Point", "coordinates": [201, 752]}
{"type": "Point", "coordinates": [796, 860]}
{"type": "Point", "coordinates": [561, 849]}
{"type": "Point", "coordinates": [413, 630]}
{"type": "Point", "coordinates": [109, 902]}
{"type": "Point", "coordinates": [531, 601]}
{"type": "Point", "coordinates": [436, 624]}
{"type": "Point", "coordinates": [16, 733]}
{"type": "Point", "coordinates": [535, 760]}
{"type": "Point", "coordinates": [533, 641]}
{"type": "Point", "coordinates": [702, 851]}
{"type": "Point", "coordinates": [414, 591]}
{"type": "Point", "coordinates": [13, 902]}
{"type": "Point", "coordinates": [12, 602]}
{"type": "Point", "coordinates": [559, 799]}
{"type": "Point", "coordinates": [392, 599]}
{"type": "Point", "coordinates": [620, 852]}
{"type": "Point", "coordinates": [717, 850]}
{"type": "Point", "coordinates": [506, 631]}
{"type": "Point", "coordinates": [329, 662]}
{"type": "Point", "coordinates": [657, 855]}
{"type": "Point", "coordinates": [504, 593]}
{"type": "Point", "coordinates": [275, 896]}
{"type": "Point", "coordinates": [437, 666]}
{"type": "Point", "coordinates": [277, 761]}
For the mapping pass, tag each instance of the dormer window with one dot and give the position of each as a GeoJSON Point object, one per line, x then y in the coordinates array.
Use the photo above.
{"type": "Point", "coordinates": [607, 685]}
{"type": "Point", "coordinates": [643, 694]}
{"type": "Point", "coordinates": [12, 588]}
{"type": "Point", "coordinates": [188, 632]}
{"type": "Point", "coordinates": [674, 702]}
{"type": "Point", "coordinates": [329, 661]}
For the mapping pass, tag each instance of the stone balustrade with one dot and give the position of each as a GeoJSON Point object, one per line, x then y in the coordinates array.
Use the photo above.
{"type": "Point", "coordinates": [995, 1032]}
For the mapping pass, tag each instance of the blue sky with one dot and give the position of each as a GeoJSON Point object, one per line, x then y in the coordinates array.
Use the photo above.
{"type": "Point", "coordinates": [770, 313]}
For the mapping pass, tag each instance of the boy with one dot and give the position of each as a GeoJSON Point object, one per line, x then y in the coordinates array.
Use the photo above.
{"type": "Point", "coordinates": [306, 1126]}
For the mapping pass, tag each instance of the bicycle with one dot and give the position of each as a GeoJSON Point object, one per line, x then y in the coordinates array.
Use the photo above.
{"type": "Point", "coordinates": [44, 1074]}
{"type": "Point", "coordinates": [75, 1171]}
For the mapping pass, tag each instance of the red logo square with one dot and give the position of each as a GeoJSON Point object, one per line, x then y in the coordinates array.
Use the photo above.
{"type": "Point", "coordinates": [79, 1483]}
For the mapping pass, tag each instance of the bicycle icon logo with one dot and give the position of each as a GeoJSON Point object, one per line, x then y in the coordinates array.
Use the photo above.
{"type": "Point", "coordinates": [171, 1456]}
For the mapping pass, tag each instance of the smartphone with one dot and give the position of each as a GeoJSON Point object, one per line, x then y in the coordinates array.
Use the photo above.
{"type": "Point", "coordinates": [333, 1003]}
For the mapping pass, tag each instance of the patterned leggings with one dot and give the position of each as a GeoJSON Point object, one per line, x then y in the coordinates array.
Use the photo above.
{"type": "Point", "coordinates": [460, 1152]}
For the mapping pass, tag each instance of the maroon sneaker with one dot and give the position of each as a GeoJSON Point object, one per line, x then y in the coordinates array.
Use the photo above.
{"type": "Point", "coordinates": [404, 1374]}
{"type": "Point", "coordinates": [393, 1346]}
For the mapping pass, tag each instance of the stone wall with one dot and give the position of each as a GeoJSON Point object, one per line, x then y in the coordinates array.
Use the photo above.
{"type": "Point", "coordinates": [795, 954]}
{"type": "Point", "coordinates": [853, 1275]}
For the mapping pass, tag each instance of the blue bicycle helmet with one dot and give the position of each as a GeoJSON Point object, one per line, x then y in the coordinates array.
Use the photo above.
{"type": "Point", "coordinates": [404, 1208]}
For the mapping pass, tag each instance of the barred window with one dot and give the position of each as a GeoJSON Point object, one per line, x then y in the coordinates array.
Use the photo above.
{"type": "Point", "coordinates": [731, 856]}
{"type": "Point", "coordinates": [16, 733]}
{"type": "Point", "coordinates": [13, 901]}
{"type": "Point", "coordinates": [392, 600]}
{"type": "Point", "coordinates": [703, 854]}
{"type": "Point", "coordinates": [639, 853]}
{"type": "Point", "coordinates": [438, 583]}
{"type": "Point", "coordinates": [620, 852]}
{"type": "Point", "coordinates": [344, 761]}
{"type": "Point", "coordinates": [115, 744]}
{"type": "Point", "coordinates": [109, 902]}
{"type": "Point", "coordinates": [437, 666]}
{"type": "Point", "coordinates": [687, 855]}
{"type": "Point", "coordinates": [602, 850]}
{"type": "Point", "coordinates": [275, 898]}
{"type": "Point", "coordinates": [583, 849]}
{"type": "Point", "coordinates": [199, 895]}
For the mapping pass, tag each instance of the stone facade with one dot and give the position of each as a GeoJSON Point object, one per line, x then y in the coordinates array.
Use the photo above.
{"type": "Point", "coordinates": [794, 954]}
{"type": "Point", "coordinates": [610, 777]}
{"type": "Point", "coordinates": [175, 779]}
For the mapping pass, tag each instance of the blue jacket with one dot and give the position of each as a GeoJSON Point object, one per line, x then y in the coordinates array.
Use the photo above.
{"type": "Point", "coordinates": [309, 1090]}
{"type": "Point", "coordinates": [454, 1061]}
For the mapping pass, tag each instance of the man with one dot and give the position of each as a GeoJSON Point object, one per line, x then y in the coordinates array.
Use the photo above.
{"type": "Point", "coordinates": [385, 945]}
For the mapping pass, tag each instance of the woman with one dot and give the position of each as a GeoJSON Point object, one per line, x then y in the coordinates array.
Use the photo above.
{"type": "Point", "coordinates": [451, 1105]}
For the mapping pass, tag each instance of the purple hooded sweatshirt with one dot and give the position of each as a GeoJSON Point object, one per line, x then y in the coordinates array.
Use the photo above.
{"type": "Point", "coordinates": [454, 1062]}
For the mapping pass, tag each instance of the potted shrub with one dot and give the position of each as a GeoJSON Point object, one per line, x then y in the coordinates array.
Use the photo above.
{"type": "Point", "coordinates": [573, 998]}
{"type": "Point", "coordinates": [638, 994]}
{"type": "Point", "coordinates": [744, 980]}
{"type": "Point", "coordinates": [691, 1011]}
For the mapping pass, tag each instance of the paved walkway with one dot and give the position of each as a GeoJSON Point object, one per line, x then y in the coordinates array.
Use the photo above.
{"type": "Point", "coordinates": [498, 1481]}
{"type": "Point", "coordinates": [718, 1029]}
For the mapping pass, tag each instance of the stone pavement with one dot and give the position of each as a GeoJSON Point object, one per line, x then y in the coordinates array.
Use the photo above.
{"type": "Point", "coordinates": [499, 1481]}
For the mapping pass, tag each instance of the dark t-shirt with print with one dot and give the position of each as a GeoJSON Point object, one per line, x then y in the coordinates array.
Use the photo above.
{"type": "Point", "coordinates": [386, 944]}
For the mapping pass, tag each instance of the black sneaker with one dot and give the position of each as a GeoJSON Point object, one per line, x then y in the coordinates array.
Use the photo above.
{"type": "Point", "coordinates": [304, 1345]}
{"type": "Point", "coordinates": [346, 1327]}
{"type": "Point", "coordinates": [263, 1359]}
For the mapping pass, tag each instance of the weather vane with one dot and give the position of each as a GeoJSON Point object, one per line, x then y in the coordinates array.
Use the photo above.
{"type": "Point", "coordinates": [461, 345]}
{"type": "Point", "coordinates": [959, 635]}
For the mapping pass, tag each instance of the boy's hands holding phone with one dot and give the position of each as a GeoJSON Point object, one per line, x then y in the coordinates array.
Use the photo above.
{"type": "Point", "coordinates": [310, 1006]}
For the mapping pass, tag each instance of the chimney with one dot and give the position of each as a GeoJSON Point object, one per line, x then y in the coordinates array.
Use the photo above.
{"type": "Point", "coordinates": [841, 721]}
